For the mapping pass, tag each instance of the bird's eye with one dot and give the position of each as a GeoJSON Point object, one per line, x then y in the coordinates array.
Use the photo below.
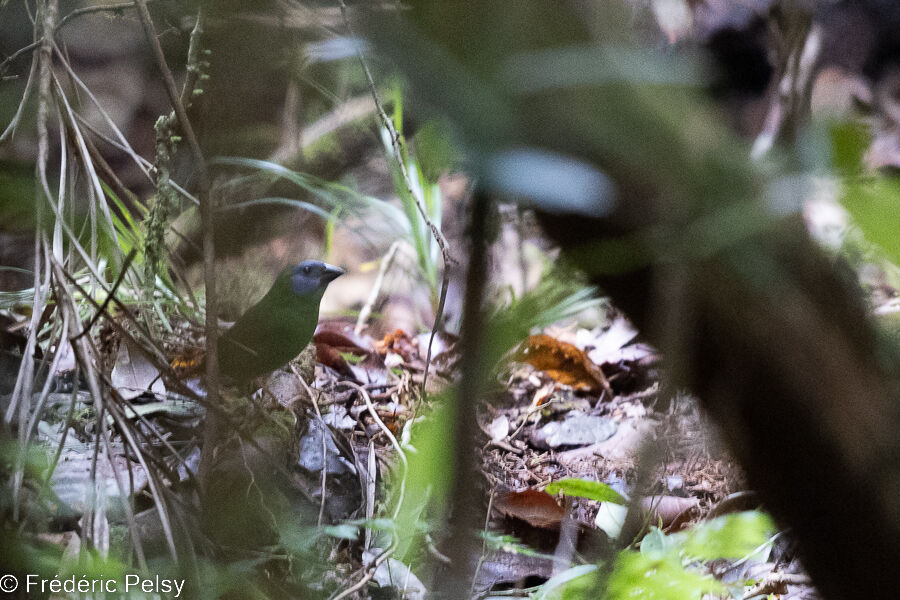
{"type": "Point", "coordinates": [306, 270]}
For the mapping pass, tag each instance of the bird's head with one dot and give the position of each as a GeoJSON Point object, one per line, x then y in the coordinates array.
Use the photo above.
{"type": "Point", "coordinates": [312, 277]}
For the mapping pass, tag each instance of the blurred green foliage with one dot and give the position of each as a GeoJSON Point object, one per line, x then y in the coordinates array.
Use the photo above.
{"type": "Point", "coordinates": [873, 200]}
{"type": "Point", "coordinates": [667, 567]}
{"type": "Point", "coordinates": [17, 193]}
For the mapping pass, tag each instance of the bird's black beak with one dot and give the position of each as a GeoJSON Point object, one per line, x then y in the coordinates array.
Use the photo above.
{"type": "Point", "coordinates": [331, 273]}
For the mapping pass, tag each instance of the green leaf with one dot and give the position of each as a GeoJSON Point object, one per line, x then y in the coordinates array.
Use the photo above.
{"type": "Point", "coordinates": [511, 544]}
{"type": "Point", "coordinates": [342, 531]}
{"type": "Point", "coordinates": [849, 141]}
{"type": "Point", "coordinates": [731, 536]}
{"type": "Point", "coordinates": [577, 582]}
{"type": "Point", "coordinates": [434, 149]}
{"type": "Point", "coordinates": [874, 205]}
{"type": "Point", "coordinates": [352, 359]}
{"type": "Point", "coordinates": [582, 488]}
{"type": "Point", "coordinates": [638, 576]}
{"type": "Point", "coordinates": [656, 545]}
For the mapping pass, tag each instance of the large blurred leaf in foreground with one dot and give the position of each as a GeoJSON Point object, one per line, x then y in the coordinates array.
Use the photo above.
{"type": "Point", "coordinates": [754, 317]}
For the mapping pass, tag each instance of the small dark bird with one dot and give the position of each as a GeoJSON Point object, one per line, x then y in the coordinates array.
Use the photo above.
{"type": "Point", "coordinates": [278, 327]}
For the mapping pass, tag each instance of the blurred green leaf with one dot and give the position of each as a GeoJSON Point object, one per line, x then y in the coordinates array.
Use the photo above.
{"type": "Point", "coordinates": [849, 141]}
{"type": "Point", "coordinates": [434, 148]}
{"type": "Point", "coordinates": [582, 488]}
{"type": "Point", "coordinates": [656, 545]}
{"type": "Point", "coordinates": [17, 193]}
{"type": "Point", "coordinates": [731, 536]}
{"type": "Point", "coordinates": [577, 582]}
{"type": "Point", "coordinates": [343, 531]}
{"type": "Point", "coordinates": [509, 543]}
{"type": "Point", "coordinates": [333, 195]}
{"type": "Point", "coordinates": [874, 205]}
{"type": "Point", "coordinates": [637, 575]}
{"type": "Point", "coordinates": [429, 473]}
{"type": "Point", "coordinates": [559, 295]}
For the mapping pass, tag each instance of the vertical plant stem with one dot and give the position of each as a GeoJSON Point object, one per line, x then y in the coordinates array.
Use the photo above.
{"type": "Point", "coordinates": [215, 424]}
{"type": "Point", "coordinates": [21, 399]}
{"type": "Point", "coordinates": [465, 511]}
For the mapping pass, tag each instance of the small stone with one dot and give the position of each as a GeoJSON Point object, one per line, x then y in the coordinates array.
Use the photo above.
{"type": "Point", "coordinates": [577, 429]}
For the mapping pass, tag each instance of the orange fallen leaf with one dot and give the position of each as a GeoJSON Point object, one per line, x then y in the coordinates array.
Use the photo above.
{"type": "Point", "coordinates": [189, 362]}
{"type": "Point", "coordinates": [398, 342]}
{"type": "Point", "coordinates": [564, 362]}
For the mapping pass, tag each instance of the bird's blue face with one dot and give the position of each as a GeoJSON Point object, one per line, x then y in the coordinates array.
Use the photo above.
{"type": "Point", "coordinates": [313, 276]}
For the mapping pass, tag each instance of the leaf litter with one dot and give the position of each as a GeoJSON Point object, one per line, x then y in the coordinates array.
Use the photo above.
{"type": "Point", "coordinates": [572, 404]}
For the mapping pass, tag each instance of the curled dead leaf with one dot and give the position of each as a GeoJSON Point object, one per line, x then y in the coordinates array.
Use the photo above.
{"type": "Point", "coordinates": [331, 357]}
{"type": "Point", "coordinates": [400, 343]}
{"type": "Point", "coordinates": [535, 507]}
{"type": "Point", "coordinates": [340, 336]}
{"type": "Point", "coordinates": [189, 362]}
{"type": "Point", "coordinates": [564, 362]}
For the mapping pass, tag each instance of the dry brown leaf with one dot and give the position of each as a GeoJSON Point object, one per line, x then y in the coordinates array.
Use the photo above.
{"type": "Point", "coordinates": [335, 342]}
{"type": "Point", "coordinates": [189, 362]}
{"type": "Point", "coordinates": [400, 343]}
{"type": "Point", "coordinates": [564, 362]}
{"type": "Point", "coordinates": [535, 507]}
{"type": "Point", "coordinates": [133, 374]}
{"type": "Point", "coordinates": [736, 502]}
{"type": "Point", "coordinates": [331, 357]}
{"type": "Point", "coordinates": [339, 336]}
{"type": "Point", "coordinates": [673, 511]}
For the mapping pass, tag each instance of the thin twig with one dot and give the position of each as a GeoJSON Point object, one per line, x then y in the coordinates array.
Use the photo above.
{"type": "Point", "coordinates": [387, 432]}
{"type": "Point", "coordinates": [390, 436]}
{"type": "Point", "coordinates": [45, 391]}
{"type": "Point", "coordinates": [156, 357]}
{"type": "Point", "coordinates": [171, 377]}
{"type": "Point", "coordinates": [370, 573]}
{"type": "Point", "coordinates": [24, 381]}
{"type": "Point", "coordinates": [84, 355]}
{"type": "Point", "coordinates": [68, 422]}
{"type": "Point", "coordinates": [96, 188]}
{"type": "Point", "coordinates": [487, 522]}
{"type": "Point", "coordinates": [193, 63]}
{"type": "Point", "coordinates": [86, 10]}
{"type": "Point", "coordinates": [790, 102]}
{"type": "Point", "coordinates": [371, 475]}
{"type": "Point", "coordinates": [78, 12]}
{"type": "Point", "coordinates": [111, 293]}
{"type": "Point", "coordinates": [123, 496]}
{"type": "Point", "coordinates": [29, 85]}
{"type": "Point", "coordinates": [386, 263]}
{"type": "Point", "coordinates": [169, 84]}
{"type": "Point", "coordinates": [315, 402]}
{"type": "Point", "coordinates": [32, 46]}
{"type": "Point", "coordinates": [146, 167]}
